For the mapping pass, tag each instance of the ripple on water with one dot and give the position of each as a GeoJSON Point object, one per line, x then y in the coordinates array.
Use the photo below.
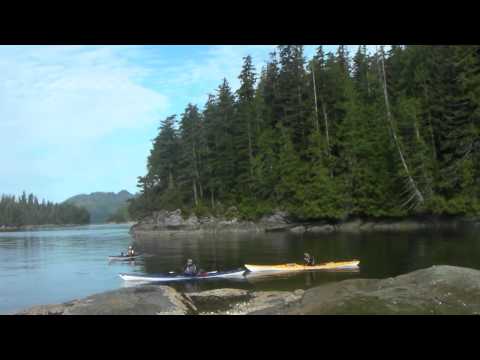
{"type": "Point", "coordinates": [52, 266]}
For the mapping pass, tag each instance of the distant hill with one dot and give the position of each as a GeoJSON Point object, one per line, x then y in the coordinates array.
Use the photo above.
{"type": "Point", "coordinates": [101, 205]}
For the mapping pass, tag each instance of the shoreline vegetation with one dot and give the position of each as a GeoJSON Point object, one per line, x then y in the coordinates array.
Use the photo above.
{"type": "Point", "coordinates": [165, 223]}
{"type": "Point", "coordinates": [371, 135]}
{"type": "Point", "coordinates": [4, 228]}
{"type": "Point", "coordinates": [27, 212]}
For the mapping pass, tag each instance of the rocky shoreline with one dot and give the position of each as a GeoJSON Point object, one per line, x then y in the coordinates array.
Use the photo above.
{"type": "Point", "coordinates": [5, 228]}
{"type": "Point", "coordinates": [436, 290]}
{"type": "Point", "coordinates": [165, 223]}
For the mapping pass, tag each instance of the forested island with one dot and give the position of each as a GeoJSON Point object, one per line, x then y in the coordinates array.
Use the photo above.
{"type": "Point", "coordinates": [104, 206]}
{"type": "Point", "coordinates": [120, 216]}
{"type": "Point", "coordinates": [17, 213]}
{"type": "Point", "coordinates": [384, 134]}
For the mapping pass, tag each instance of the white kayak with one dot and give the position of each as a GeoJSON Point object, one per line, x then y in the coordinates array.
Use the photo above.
{"type": "Point", "coordinates": [182, 277]}
{"type": "Point", "coordinates": [124, 257]}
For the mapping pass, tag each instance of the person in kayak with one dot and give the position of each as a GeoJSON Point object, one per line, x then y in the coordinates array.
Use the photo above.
{"type": "Point", "coordinates": [130, 251]}
{"type": "Point", "coordinates": [190, 268]}
{"type": "Point", "coordinates": [308, 259]}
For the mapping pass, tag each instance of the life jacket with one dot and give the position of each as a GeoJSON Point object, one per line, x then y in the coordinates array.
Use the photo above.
{"type": "Point", "coordinates": [309, 261]}
{"type": "Point", "coordinates": [190, 269]}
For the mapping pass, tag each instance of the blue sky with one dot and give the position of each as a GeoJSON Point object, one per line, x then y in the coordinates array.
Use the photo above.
{"type": "Point", "coordinates": [79, 119]}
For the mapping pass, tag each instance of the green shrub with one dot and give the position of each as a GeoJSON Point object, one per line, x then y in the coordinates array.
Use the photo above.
{"type": "Point", "coordinates": [201, 210]}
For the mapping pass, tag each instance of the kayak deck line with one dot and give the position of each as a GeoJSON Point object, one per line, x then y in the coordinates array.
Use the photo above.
{"type": "Point", "coordinates": [334, 265]}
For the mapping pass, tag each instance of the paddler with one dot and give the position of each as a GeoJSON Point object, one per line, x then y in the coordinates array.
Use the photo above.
{"type": "Point", "coordinates": [190, 268]}
{"type": "Point", "coordinates": [308, 259]}
{"type": "Point", "coordinates": [130, 251]}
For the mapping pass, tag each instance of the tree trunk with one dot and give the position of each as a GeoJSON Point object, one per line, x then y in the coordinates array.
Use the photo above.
{"type": "Point", "coordinates": [417, 130]}
{"type": "Point", "coordinates": [430, 124]}
{"type": "Point", "coordinates": [325, 117]}
{"type": "Point", "coordinates": [317, 127]}
{"type": "Point", "coordinates": [195, 195]}
{"type": "Point", "coordinates": [417, 192]}
{"type": "Point", "coordinates": [196, 175]}
{"type": "Point", "coordinates": [428, 186]}
{"type": "Point", "coordinates": [368, 83]}
{"type": "Point", "coordinates": [171, 184]}
{"type": "Point", "coordinates": [299, 113]}
{"type": "Point", "coordinates": [250, 148]}
{"type": "Point", "coordinates": [327, 133]}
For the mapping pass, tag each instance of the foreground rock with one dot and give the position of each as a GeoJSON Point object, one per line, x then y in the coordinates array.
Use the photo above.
{"type": "Point", "coordinates": [141, 300]}
{"type": "Point", "coordinates": [436, 290]}
{"type": "Point", "coordinates": [249, 302]}
{"type": "Point", "coordinates": [218, 300]}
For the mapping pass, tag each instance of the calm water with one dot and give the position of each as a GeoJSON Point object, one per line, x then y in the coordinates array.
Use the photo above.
{"type": "Point", "coordinates": [52, 266]}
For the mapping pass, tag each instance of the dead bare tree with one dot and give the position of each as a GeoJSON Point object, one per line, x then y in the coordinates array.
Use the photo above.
{"type": "Point", "coordinates": [416, 195]}
{"type": "Point", "coordinates": [317, 128]}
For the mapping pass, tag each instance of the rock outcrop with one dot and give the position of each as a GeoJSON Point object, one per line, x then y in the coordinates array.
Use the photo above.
{"type": "Point", "coordinates": [175, 223]}
{"type": "Point", "coordinates": [218, 299]}
{"type": "Point", "coordinates": [141, 300]}
{"type": "Point", "coordinates": [436, 290]}
{"type": "Point", "coordinates": [172, 222]}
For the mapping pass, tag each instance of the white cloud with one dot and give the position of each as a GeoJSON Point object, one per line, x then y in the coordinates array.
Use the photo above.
{"type": "Point", "coordinates": [64, 94]}
{"type": "Point", "coordinates": [216, 63]}
{"type": "Point", "coordinates": [225, 61]}
{"type": "Point", "coordinates": [58, 105]}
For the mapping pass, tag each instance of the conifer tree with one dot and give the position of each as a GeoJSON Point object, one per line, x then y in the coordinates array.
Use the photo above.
{"type": "Point", "coordinates": [245, 125]}
{"type": "Point", "coordinates": [381, 134]}
{"type": "Point", "coordinates": [190, 143]}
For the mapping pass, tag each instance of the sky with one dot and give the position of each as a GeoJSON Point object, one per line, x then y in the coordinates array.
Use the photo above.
{"type": "Point", "coordinates": [80, 119]}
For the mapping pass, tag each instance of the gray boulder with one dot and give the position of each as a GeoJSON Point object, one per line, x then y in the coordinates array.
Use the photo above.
{"type": "Point", "coordinates": [436, 290]}
{"type": "Point", "coordinates": [140, 300]}
{"type": "Point", "coordinates": [192, 221]}
{"type": "Point", "coordinates": [298, 229]}
{"type": "Point", "coordinates": [277, 221]}
{"type": "Point", "coordinates": [218, 299]}
{"type": "Point", "coordinates": [173, 218]}
{"type": "Point", "coordinates": [276, 217]}
{"type": "Point", "coordinates": [260, 302]}
{"type": "Point", "coordinates": [321, 229]}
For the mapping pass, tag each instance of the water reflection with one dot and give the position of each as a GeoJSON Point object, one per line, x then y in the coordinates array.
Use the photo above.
{"type": "Point", "coordinates": [58, 265]}
{"type": "Point", "coordinates": [381, 254]}
{"type": "Point", "coordinates": [303, 279]}
{"type": "Point", "coordinates": [51, 266]}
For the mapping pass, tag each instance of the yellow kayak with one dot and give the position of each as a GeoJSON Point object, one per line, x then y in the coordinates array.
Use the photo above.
{"type": "Point", "coordinates": [334, 265]}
